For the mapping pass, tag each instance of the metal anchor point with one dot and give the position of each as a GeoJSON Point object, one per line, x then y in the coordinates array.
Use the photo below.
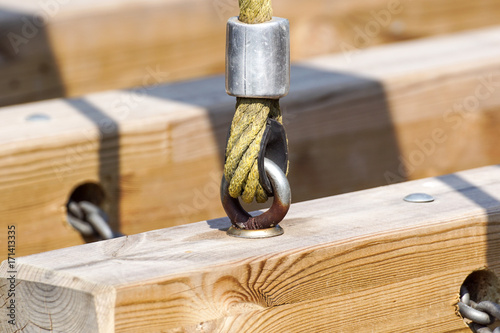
{"type": "Point", "coordinates": [266, 224]}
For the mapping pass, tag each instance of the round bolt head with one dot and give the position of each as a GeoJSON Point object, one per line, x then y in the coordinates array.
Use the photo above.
{"type": "Point", "coordinates": [419, 198]}
{"type": "Point", "coordinates": [38, 117]}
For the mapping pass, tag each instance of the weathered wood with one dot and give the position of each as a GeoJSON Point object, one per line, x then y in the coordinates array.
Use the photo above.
{"type": "Point", "coordinates": [88, 46]}
{"type": "Point", "coordinates": [157, 152]}
{"type": "Point", "coordinates": [363, 261]}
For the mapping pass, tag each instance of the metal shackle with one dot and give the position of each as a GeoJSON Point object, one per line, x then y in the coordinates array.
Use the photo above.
{"type": "Point", "coordinates": [258, 58]}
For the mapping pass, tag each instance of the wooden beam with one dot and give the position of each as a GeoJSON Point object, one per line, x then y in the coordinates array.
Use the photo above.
{"type": "Point", "coordinates": [90, 46]}
{"type": "Point", "coordinates": [389, 115]}
{"type": "Point", "coordinates": [355, 262]}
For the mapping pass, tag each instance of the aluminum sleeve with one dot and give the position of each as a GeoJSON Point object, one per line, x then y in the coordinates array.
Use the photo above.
{"type": "Point", "coordinates": [258, 58]}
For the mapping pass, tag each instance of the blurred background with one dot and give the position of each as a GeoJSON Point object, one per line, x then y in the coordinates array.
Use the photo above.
{"type": "Point", "coordinates": [56, 48]}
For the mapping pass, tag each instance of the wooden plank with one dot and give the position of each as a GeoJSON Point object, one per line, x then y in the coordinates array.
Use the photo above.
{"type": "Point", "coordinates": [88, 46]}
{"type": "Point", "coordinates": [362, 261]}
{"type": "Point", "coordinates": [157, 152]}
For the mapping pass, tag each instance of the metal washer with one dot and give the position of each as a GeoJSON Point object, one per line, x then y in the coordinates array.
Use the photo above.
{"type": "Point", "coordinates": [260, 233]}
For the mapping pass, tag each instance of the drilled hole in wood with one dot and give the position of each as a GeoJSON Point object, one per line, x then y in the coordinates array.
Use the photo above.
{"type": "Point", "coordinates": [482, 285]}
{"type": "Point", "coordinates": [91, 192]}
{"type": "Point", "coordinates": [86, 192]}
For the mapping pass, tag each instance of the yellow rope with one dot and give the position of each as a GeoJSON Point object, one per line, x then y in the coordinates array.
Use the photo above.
{"type": "Point", "coordinates": [255, 11]}
{"type": "Point", "coordinates": [249, 123]}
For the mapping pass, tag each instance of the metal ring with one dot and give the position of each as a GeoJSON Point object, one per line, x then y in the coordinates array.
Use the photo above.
{"type": "Point", "coordinates": [270, 219]}
{"type": "Point", "coordinates": [483, 329]}
{"type": "Point", "coordinates": [90, 220]}
{"type": "Point", "coordinates": [480, 328]}
{"type": "Point", "coordinates": [490, 308]}
{"type": "Point", "coordinates": [100, 225]}
{"type": "Point", "coordinates": [475, 315]}
{"type": "Point", "coordinates": [464, 295]}
{"type": "Point", "coordinates": [83, 227]}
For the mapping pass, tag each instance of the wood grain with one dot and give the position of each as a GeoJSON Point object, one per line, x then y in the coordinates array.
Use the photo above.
{"type": "Point", "coordinates": [359, 261]}
{"type": "Point", "coordinates": [89, 46]}
{"type": "Point", "coordinates": [157, 153]}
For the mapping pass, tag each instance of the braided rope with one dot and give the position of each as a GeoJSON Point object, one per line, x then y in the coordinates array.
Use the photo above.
{"type": "Point", "coordinates": [248, 125]}
{"type": "Point", "coordinates": [255, 11]}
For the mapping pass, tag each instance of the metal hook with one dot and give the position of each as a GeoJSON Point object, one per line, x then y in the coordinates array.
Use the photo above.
{"type": "Point", "coordinates": [266, 224]}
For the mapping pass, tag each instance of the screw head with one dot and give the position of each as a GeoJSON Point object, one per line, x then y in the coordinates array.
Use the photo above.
{"type": "Point", "coordinates": [419, 198]}
{"type": "Point", "coordinates": [38, 117]}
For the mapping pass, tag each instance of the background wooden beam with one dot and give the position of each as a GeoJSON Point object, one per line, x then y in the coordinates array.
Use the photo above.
{"type": "Point", "coordinates": [393, 113]}
{"type": "Point", "coordinates": [89, 46]}
{"type": "Point", "coordinates": [360, 261]}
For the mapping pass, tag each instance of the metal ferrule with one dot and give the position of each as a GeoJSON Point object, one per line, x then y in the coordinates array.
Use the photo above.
{"type": "Point", "coordinates": [258, 58]}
